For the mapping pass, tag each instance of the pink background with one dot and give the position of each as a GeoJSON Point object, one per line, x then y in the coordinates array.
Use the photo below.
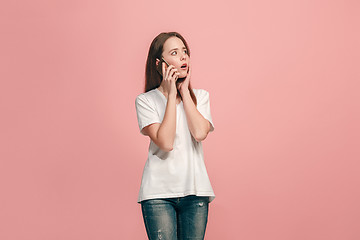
{"type": "Point", "coordinates": [283, 78]}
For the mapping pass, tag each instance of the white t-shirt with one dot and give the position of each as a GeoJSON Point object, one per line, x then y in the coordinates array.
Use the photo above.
{"type": "Point", "coordinates": [182, 171]}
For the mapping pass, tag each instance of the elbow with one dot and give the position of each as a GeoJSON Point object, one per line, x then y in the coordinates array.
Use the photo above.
{"type": "Point", "coordinates": [201, 133]}
{"type": "Point", "coordinates": [165, 144]}
{"type": "Point", "coordinates": [200, 136]}
{"type": "Point", "coordinates": [166, 147]}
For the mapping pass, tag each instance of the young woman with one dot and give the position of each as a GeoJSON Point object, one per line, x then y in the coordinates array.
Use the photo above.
{"type": "Point", "coordinates": [175, 189]}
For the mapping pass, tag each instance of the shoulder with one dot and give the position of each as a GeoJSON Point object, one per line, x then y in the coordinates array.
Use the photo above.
{"type": "Point", "coordinates": [146, 96]}
{"type": "Point", "coordinates": [200, 92]}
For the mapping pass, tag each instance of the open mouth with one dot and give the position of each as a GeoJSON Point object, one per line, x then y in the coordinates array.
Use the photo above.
{"type": "Point", "coordinates": [184, 66]}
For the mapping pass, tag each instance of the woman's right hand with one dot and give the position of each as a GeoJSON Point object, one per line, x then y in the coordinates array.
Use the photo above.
{"type": "Point", "coordinates": [170, 76]}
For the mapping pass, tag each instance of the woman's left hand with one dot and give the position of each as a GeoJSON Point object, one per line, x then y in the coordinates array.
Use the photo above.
{"type": "Point", "coordinates": [184, 86]}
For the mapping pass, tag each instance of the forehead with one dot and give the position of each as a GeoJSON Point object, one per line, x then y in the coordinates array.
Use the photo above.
{"type": "Point", "coordinates": [173, 42]}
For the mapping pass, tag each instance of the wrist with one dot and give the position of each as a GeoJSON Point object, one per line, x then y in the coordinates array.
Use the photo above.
{"type": "Point", "coordinates": [172, 95]}
{"type": "Point", "coordinates": [184, 92]}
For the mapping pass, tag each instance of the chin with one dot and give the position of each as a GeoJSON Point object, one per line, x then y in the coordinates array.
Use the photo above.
{"type": "Point", "coordinates": [183, 75]}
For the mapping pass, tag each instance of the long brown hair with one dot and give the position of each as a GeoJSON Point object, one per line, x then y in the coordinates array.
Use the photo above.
{"type": "Point", "coordinates": [152, 76]}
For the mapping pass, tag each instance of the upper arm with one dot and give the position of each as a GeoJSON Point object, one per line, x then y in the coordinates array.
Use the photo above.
{"type": "Point", "coordinates": [147, 114]}
{"type": "Point", "coordinates": [203, 107]}
{"type": "Point", "coordinates": [151, 131]}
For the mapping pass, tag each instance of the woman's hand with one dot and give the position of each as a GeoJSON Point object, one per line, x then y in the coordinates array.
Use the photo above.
{"type": "Point", "coordinates": [170, 75]}
{"type": "Point", "coordinates": [184, 86]}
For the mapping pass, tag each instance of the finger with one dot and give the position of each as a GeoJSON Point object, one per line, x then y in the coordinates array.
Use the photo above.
{"type": "Point", "coordinates": [169, 68]}
{"type": "Point", "coordinates": [163, 69]}
{"type": "Point", "coordinates": [172, 72]}
{"type": "Point", "coordinates": [176, 76]}
{"type": "Point", "coordinates": [188, 75]}
{"type": "Point", "coordinates": [168, 71]}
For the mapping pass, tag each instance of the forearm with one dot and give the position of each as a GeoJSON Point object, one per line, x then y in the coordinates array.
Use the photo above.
{"type": "Point", "coordinates": [199, 126]}
{"type": "Point", "coordinates": [167, 130]}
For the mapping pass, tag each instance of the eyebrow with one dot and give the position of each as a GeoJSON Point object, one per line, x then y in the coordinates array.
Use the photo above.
{"type": "Point", "coordinates": [176, 49]}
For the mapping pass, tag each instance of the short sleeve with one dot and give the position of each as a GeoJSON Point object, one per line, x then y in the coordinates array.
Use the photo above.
{"type": "Point", "coordinates": [146, 112]}
{"type": "Point", "coordinates": [203, 106]}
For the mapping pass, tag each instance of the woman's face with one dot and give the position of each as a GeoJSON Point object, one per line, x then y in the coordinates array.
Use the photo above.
{"type": "Point", "coordinates": [175, 53]}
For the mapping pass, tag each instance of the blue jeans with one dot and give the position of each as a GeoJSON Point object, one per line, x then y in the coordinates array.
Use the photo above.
{"type": "Point", "coordinates": [176, 218]}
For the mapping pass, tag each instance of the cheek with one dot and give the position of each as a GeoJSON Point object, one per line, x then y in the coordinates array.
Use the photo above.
{"type": "Point", "coordinates": [172, 62]}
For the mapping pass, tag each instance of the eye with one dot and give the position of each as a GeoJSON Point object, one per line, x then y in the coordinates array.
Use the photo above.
{"type": "Point", "coordinates": [185, 51]}
{"type": "Point", "coordinates": [173, 53]}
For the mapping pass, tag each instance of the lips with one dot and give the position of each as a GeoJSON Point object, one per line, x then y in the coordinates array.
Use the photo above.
{"type": "Point", "coordinates": [184, 66]}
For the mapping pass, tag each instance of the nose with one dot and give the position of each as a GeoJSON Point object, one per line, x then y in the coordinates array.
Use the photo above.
{"type": "Point", "coordinates": [183, 56]}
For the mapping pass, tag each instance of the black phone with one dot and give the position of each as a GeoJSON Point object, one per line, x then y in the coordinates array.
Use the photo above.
{"type": "Point", "coordinates": [159, 68]}
{"type": "Point", "coordinates": [165, 62]}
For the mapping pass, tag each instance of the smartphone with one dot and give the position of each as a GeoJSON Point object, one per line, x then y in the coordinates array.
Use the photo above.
{"type": "Point", "coordinates": [165, 62]}
{"type": "Point", "coordinates": [159, 69]}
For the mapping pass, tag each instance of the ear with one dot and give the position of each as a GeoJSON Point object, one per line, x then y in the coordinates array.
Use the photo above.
{"type": "Point", "coordinates": [157, 62]}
